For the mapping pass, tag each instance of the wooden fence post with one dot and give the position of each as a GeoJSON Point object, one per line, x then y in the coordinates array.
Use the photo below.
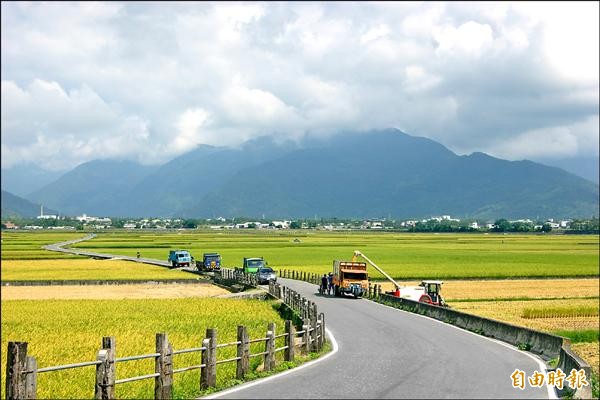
{"type": "Point", "coordinates": [204, 361]}
{"type": "Point", "coordinates": [106, 371]}
{"type": "Point", "coordinates": [306, 335]}
{"type": "Point", "coordinates": [31, 378]}
{"type": "Point", "coordinates": [16, 363]}
{"type": "Point", "coordinates": [269, 362]}
{"type": "Point", "coordinates": [211, 375]}
{"type": "Point", "coordinates": [378, 291]}
{"type": "Point", "coordinates": [323, 336]}
{"type": "Point", "coordinates": [314, 346]}
{"type": "Point", "coordinates": [288, 354]}
{"type": "Point", "coordinates": [243, 351]}
{"type": "Point", "coordinates": [163, 365]}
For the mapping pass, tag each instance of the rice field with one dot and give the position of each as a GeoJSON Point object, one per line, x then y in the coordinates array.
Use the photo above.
{"type": "Point", "coordinates": [559, 312]}
{"type": "Point", "coordinates": [513, 311]}
{"type": "Point", "coordinates": [86, 269]}
{"type": "Point", "coordinates": [68, 331]}
{"type": "Point", "coordinates": [403, 256]}
{"type": "Point", "coordinates": [28, 245]}
{"type": "Point", "coordinates": [510, 290]}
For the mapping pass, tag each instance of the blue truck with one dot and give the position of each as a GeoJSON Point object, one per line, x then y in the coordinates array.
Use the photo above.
{"type": "Point", "coordinates": [210, 262]}
{"type": "Point", "coordinates": [180, 258]}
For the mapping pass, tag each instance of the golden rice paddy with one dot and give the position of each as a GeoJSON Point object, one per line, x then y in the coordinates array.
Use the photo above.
{"type": "Point", "coordinates": [86, 269]}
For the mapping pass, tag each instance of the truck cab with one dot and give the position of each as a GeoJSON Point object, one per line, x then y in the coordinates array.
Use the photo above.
{"type": "Point", "coordinates": [211, 262]}
{"type": "Point", "coordinates": [252, 265]}
{"type": "Point", "coordinates": [350, 277]}
{"type": "Point", "coordinates": [180, 258]}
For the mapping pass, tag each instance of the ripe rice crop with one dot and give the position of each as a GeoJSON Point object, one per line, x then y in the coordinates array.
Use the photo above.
{"type": "Point", "coordinates": [512, 312]}
{"type": "Point", "coordinates": [86, 269]}
{"type": "Point", "coordinates": [68, 331]}
{"type": "Point", "coordinates": [559, 312]}
{"type": "Point", "coordinates": [511, 290]}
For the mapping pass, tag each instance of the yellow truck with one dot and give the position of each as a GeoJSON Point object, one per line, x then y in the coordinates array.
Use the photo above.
{"type": "Point", "coordinates": [350, 277]}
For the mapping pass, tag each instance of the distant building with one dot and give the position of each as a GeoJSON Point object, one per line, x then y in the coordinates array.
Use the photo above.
{"type": "Point", "coordinates": [48, 216]}
{"type": "Point", "coordinates": [10, 225]}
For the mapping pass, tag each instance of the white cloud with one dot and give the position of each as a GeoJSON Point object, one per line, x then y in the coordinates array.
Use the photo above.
{"type": "Point", "coordinates": [189, 126]}
{"type": "Point", "coordinates": [555, 142]}
{"type": "Point", "coordinates": [149, 81]}
{"type": "Point", "coordinates": [470, 38]}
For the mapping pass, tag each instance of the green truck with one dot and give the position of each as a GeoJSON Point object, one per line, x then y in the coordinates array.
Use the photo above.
{"type": "Point", "coordinates": [252, 264]}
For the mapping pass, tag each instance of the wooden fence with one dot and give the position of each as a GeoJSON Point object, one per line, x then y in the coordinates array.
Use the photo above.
{"type": "Point", "coordinates": [22, 369]}
{"type": "Point", "coordinates": [225, 275]}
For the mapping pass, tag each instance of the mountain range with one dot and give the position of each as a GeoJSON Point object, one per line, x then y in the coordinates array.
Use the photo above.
{"type": "Point", "coordinates": [364, 175]}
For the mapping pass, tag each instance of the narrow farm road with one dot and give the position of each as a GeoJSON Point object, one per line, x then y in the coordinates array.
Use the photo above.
{"type": "Point", "coordinates": [387, 353]}
{"type": "Point", "coordinates": [60, 248]}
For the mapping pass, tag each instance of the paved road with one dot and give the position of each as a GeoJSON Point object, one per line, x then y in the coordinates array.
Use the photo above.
{"type": "Point", "coordinates": [60, 248]}
{"type": "Point", "coordinates": [387, 353]}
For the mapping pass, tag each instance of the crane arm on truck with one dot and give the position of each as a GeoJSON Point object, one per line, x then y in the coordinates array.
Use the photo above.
{"type": "Point", "coordinates": [357, 253]}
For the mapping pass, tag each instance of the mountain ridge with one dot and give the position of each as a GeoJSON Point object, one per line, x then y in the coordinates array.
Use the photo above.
{"type": "Point", "coordinates": [354, 174]}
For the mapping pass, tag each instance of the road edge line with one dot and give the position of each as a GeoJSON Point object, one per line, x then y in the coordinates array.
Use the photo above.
{"type": "Point", "coordinates": [272, 377]}
{"type": "Point", "coordinates": [551, 392]}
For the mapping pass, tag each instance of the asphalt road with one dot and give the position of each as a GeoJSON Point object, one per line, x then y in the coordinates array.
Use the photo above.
{"type": "Point", "coordinates": [387, 353]}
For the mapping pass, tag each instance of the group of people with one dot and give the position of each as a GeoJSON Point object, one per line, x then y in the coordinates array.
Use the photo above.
{"type": "Point", "coordinates": [326, 284]}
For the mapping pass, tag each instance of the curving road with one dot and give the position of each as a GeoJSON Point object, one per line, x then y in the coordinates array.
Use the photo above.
{"type": "Point", "coordinates": [387, 353]}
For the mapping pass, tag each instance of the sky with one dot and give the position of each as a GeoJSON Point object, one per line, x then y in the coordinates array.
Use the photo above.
{"type": "Point", "coordinates": [150, 81]}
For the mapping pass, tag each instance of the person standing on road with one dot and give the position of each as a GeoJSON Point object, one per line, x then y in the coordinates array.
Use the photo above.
{"type": "Point", "coordinates": [329, 283]}
{"type": "Point", "coordinates": [324, 284]}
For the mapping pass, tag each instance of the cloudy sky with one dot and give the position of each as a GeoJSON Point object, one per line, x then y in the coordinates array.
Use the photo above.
{"type": "Point", "coordinates": [149, 81]}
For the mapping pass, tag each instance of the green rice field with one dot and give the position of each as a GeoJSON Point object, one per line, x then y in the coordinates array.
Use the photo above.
{"type": "Point", "coordinates": [403, 256]}
{"type": "Point", "coordinates": [28, 245]}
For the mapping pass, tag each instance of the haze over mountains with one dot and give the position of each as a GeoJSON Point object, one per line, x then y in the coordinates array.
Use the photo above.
{"type": "Point", "coordinates": [376, 174]}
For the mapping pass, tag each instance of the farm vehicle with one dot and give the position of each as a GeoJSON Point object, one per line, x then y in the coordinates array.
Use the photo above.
{"type": "Point", "coordinates": [210, 262]}
{"type": "Point", "coordinates": [180, 258]}
{"type": "Point", "coordinates": [350, 277]}
{"type": "Point", "coordinates": [251, 265]}
{"type": "Point", "coordinates": [428, 291]}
